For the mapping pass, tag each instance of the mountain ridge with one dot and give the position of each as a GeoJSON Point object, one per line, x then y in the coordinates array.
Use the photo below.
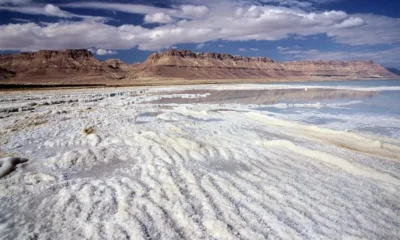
{"type": "Point", "coordinates": [186, 64]}
{"type": "Point", "coordinates": [80, 66]}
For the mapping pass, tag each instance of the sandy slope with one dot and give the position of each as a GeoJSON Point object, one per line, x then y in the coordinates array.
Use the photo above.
{"type": "Point", "coordinates": [205, 171]}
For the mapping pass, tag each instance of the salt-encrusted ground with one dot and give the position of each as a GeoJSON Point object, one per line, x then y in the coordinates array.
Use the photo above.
{"type": "Point", "coordinates": [144, 169]}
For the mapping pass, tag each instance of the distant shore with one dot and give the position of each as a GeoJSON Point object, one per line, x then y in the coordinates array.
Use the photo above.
{"type": "Point", "coordinates": [157, 82]}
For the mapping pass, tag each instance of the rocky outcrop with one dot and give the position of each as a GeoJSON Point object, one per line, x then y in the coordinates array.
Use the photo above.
{"type": "Point", "coordinates": [189, 65]}
{"type": "Point", "coordinates": [6, 74]}
{"type": "Point", "coordinates": [41, 62]}
{"type": "Point", "coordinates": [52, 64]}
{"type": "Point", "coordinates": [79, 66]}
{"type": "Point", "coordinates": [115, 63]}
{"type": "Point", "coordinates": [177, 54]}
{"type": "Point", "coordinates": [119, 64]}
{"type": "Point", "coordinates": [338, 69]}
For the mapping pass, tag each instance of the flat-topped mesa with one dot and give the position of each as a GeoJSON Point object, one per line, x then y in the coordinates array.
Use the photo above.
{"type": "Point", "coordinates": [361, 69]}
{"type": "Point", "coordinates": [187, 64]}
{"type": "Point", "coordinates": [72, 65]}
{"type": "Point", "coordinates": [45, 62]}
{"type": "Point", "coordinates": [71, 53]}
{"type": "Point", "coordinates": [48, 54]}
{"type": "Point", "coordinates": [208, 55]}
{"type": "Point", "coordinates": [79, 65]}
{"type": "Point", "coordinates": [331, 63]}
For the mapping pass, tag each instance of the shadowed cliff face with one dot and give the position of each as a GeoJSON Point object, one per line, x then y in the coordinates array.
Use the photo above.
{"type": "Point", "coordinates": [6, 74]}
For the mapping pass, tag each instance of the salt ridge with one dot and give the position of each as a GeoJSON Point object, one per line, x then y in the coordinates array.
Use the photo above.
{"type": "Point", "coordinates": [188, 171]}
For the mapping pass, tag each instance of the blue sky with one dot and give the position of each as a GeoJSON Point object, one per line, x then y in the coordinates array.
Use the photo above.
{"type": "Point", "coordinates": [284, 30]}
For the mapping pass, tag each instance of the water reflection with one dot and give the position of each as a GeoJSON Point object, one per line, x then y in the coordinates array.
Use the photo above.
{"type": "Point", "coordinates": [270, 96]}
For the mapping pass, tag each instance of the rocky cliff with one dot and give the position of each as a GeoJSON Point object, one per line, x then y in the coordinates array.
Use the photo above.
{"type": "Point", "coordinates": [51, 64]}
{"type": "Point", "coordinates": [190, 65]}
{"type": "Point", "coordinates": [352, 70]}
{"type": "Point", "coordinates": [6, 74]}
{"type": "Point", "coordinates": [79, 66]}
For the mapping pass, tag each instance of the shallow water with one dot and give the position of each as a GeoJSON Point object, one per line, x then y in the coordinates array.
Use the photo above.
{"type": "Point", "coordinates": [377, 113]}
{"type": "Point", "coordinates": [363, 106]}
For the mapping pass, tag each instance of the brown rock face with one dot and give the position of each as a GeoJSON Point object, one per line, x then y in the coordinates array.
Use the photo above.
{"type": "Point", "coordinates": [72, 65]}
{"type": "Point", "coordinates": [171, 54]}
{"type": "Point", "coordinates": [6, 74]}
{"type": "Point", "coordinates": [118, 64]}
{"type": "Point", "coordinates": [78, 66]}
{"type": "Point", "coordinates": [355, 69]}
{"type": "Point", "coordinates": [48, 61]}
{"type": "Point", "coordinates": [190, 65]}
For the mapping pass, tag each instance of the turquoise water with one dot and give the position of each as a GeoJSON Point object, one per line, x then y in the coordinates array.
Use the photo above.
{"type": "Point", "coordinates": [378, 113]}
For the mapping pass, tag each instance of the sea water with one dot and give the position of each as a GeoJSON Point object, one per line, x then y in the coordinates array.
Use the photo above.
{"type": "Point", "coordinates": [377, 113]}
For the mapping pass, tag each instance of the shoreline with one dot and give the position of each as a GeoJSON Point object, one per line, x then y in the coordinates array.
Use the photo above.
{"type": "Point", "coordinates": [8, 87]}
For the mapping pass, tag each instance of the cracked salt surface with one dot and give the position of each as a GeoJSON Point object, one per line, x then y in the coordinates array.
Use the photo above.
{"type": "Point", "coordinates": [210, 170]}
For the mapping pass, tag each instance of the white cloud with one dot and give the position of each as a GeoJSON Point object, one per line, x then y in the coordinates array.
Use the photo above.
{"type": "Point", "coordinates": [14, 2]}
{"type": "Point", "coordinates": [128, 8]}
{"type": "Point", "coordinates": [351, 22]}
{"type": "Point", "coordinates": [48, 10]}
{"type": "Point", "coordinates": [62, 35]}
{"type": "Point", "coordinates": [299, 37]}
{"type": "Point", "coordinates": [194, 11]}
{"type": "Point", "coordinates": [291, 3]}
{"type": "Point", "coordinates": [374, 30]}
{"type": "Point", "coordinates": [52, 10]}
{"type": "Point", "coordinates": [179, 11]}
{"type": "Point", "coordinates": [157, 18]}
{"type": "Point", "coordinates": [101, 51]}
{"type": "Point", "coordinates": [385, 57]}
{"type": "Point", "coordinates": [299, 3]}
{"type": "Point", "coordinates": [324, 1]}
{"type": "Point", "coordinates": [242, 49]}
{"type": "Point", "coordinates": [282, 48]}
{"type": "Point", "coordinates": [221, 45]}
{"type": "Point", "coordinates": [21, 20]}
{"type": "Point", "coordinates": [254, 49]}
{"type": "Point", "coordinates": [223, 21]}
{"type": "Point", "coordinates": [200, 46]}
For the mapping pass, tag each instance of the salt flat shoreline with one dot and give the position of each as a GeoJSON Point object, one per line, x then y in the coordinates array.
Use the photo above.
{"type": "Point", "coordinates": [120, 163]}
{"type": "Point", "coordinates": [27, 86]}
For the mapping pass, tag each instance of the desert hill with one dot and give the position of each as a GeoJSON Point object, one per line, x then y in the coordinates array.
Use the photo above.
{"type": "Point", "coordinates": [189, 65]}
{"type": "Point", "coordinates": [72, 65]}
{"type": "Point", "coordinates": [6, 74]}
{"type": "Point", "coordinates": [79, 66]}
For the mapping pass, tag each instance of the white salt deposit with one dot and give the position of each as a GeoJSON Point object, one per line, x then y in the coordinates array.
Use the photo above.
{"type": "Point", "coordinates": [190, 171]}
{"type": "Point", "coordinates": [7, 165]}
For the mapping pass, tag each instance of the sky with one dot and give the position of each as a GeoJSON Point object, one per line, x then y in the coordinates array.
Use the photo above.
{"type": "Point", "coordinates": [284, 30]}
